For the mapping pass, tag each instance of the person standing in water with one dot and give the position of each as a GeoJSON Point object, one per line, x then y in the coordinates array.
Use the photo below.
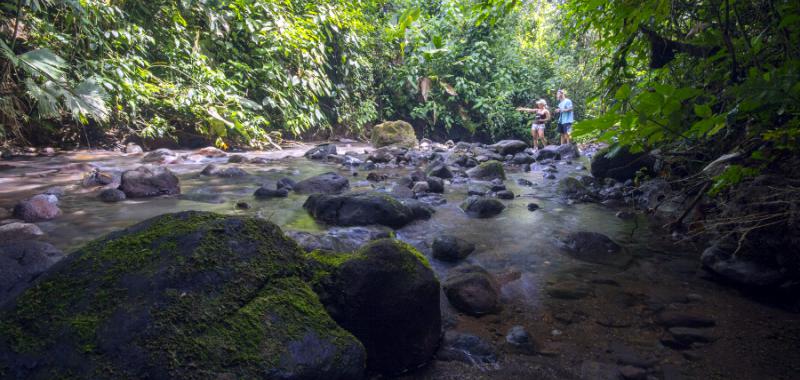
{"type": "Point", "coordinates": [542, 115]}
{"type": "Point", "coordinates": [565, 117]}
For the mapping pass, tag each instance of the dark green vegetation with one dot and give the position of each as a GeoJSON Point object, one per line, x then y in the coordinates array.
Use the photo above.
{"type": "Point", "coordinates": [247, 72]}
{"type": "Point", "coordinates": [201, 295]}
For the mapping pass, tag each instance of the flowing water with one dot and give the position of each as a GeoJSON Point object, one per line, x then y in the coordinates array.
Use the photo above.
{"type": "Point", "coordinates": [595, 336]}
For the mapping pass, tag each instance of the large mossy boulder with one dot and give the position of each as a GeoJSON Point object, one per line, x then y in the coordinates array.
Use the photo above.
{"type": "Point", "coordinates": [189, 295]}
{"type": "Point", "coordinates": [487, 171]}
{"type": "Point", "coordinates": [387, 295]}
{"type": "Point", "coordinates": [393, 133]}
{"type": "Point", "coordinates": [361, 209]}
{"type": "Point", "coordinates": [622, 166]}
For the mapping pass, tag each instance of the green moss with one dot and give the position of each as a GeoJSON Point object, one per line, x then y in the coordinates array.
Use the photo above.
{"type": "Point", "coordinates": [393, 133]}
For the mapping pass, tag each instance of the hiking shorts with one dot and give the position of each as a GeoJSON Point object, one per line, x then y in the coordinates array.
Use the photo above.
{"type": "Point", "coordinates": [537, 127]}
{"type": "Point", "coordinates": [564, 128]}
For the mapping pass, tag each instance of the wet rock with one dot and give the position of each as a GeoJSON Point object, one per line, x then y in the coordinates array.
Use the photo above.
{"type": "Point", "coordinates": [420, 187]}
{"type": "Point", "coordinates": [133, 148]}
{"type": "Point", "coordinates": [550, 152]}
{"type": "Point", "coordinates": [682, 337]}
{"type": "Point", "coordinates": [505, 194]}
{"type": "Point", "coordinates": [683, 319]}
{"type": "Point", "coordinates": [388, 297]}
{"type": "Point", "coordinates": [487, 171]}
{"type": "Point", "coordinates": [56, 191]}
{"type": "Point", "coordinates": [359, 209]}
{"type": "Point", "coordinates": [435, 185]}
{"type": "Point", "coordinates": [571, 188]}
{"type": "Point", "coordinates": [238, 159]}
{"type": "Point", "coordinates": [719, 259]}
{"type": "Point", "coordinates": [592, 370]}
{"type": "Point", "coordinates": [505, 147]}
{"type": "Point", "coordinates": [533, 207]}
{"type": "Point", "coordinates": [596, 248]}
{"type": "Point", "coordinates": [112, 195]}
{"type": "Point", "coordinates": [321, 151]}
{"type": "Point", "coordinates": [480, 188]}
{"type": "Point", "coordinates": [260, 160]}
{"type": "Point", "coordinates": [472, 290]}
{"type": "Point", "coordinates": [627, 356]}
{"type": "Point", "coordinates": [397, 133]}
{"type": "Point", "coordinates": [19, 231]}
{"type": "Point", "coordinates": [622, 166]}
{"type": "Point", "coordinates": [524, 182]}
{"type": "Point", "coordinates": [381, 155]}
{"type": "Point", "coordinates": [211, 152]}
{"type": "Point", "coordinates": [368, 165]}
{"type": "Point", "coordinates": [439, 170]}
{"type": "Point", "coordinates": [569, 290]}
{"type": "Point", "coordinates": [160, 156]}
{"type": "Point", "coordinates": [212, 170]}
{"type": "Point", "coordinates": [47, 152]}
{"type": "Point", "coordinates": [419, 210]}
{"type": "Point", "coordinates": [626, 215]}
{"type": "Point", "coordinates": [149, 182]}
{"type": "Point", "coordinates": [267, 193]}
{"type": "Point", "coordinates": [467, 348]}
{"type": "Point", "coordinates": [243, 306]}
{"type": "Point", "coordinates": [340, 239]}
{"type": "Point", "coordinates": [285, 183]}
{"type": "Point", "coordinates": [549, 176]}
{"type": "Point", "coordinates": [38, 208]}
{"type": "Point", "coordinates": [432, 199]}
{"type": "Point", "coordinates": [327, 183]}
{"type": "Point", "coordinates": [98, 177]}
{"type": "Point", "coordinates": [462, 160]}
{"type": "Point", "coordinates": [242, 205]}
{"type": "Point", "coordinates": [498, 185]}
{"type": "Point", "coordinates": [520, 340]}
{"type": "Point", "coordinates": [522, 159]}
{"type": "Point", "coordinates": [481, 207]}
{"type": "Point", "coordinates": [451, 248]}
{"type": "Point", "coordinates": [376, 177]}
{"type": "Point", "coordinates": [21, 262]}
{"type": "Point", "coordinates": [632, 373]}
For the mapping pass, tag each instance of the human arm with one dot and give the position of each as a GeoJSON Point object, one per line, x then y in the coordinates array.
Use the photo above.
{"type": "Point", "coordinates": [528, 110]}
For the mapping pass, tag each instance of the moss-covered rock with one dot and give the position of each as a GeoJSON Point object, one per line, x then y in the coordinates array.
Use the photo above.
{"type": "Point", "coordinates": [488, 170]}
{"type": "Point", "coordinates": [188, 295]}
{"type": "Point", "coordinates": [387, 295]}
{"type": "Point", "coordinates": [622, 166]}
{"type": "Point", "coordinates": [393, 133]}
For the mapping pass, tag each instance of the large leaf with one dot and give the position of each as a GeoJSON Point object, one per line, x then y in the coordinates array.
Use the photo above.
{"type": "Point", "coordinates": [87, 100]}
{"type": "Point", "coordinates": [43, 62]}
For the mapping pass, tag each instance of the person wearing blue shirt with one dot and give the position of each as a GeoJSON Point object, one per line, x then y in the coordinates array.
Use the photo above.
{"type": "Point", "coordinates": [565, 117]}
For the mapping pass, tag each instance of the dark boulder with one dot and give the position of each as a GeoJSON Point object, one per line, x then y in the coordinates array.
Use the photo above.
{"type": "Point", "coordinates": [439, 169]}
{"type": "Point", "coordinates": [550, 152]}
{"type": "Point", "coordinates": [224, 296]}
{"type": "Point", "coordinates": [505, 194]}
{"type": "Point", "coordinates": [359, 209]}
{"type": "Point", "coordinates": [38, 208]}
{"type": "Point", "coordinates": [720, 260]}
{"type": "Point", "coordinates": [285, 183]}
{"type": "Point", "coordinates": [160, 156]}
{"type": "Point", "coordinates": [21, 262]}
{"type": "Point", "coordinates": [571, 188]}
{"type": "Point", "coordinates": [505, 147]}
{"type": "Point", "coordinates": [264, 192]}
{"type": "Point", "coordinates": [621, 166]}
{"type": "Point", "coordinates": [480, 207]}
{"type": "Point", "coordinates": [238, 159]}
{"type": "Point", "coordinates": [596, 248]}
{"type": "Point", "coordinates": [451, 248]}
{"type": "Point", "coordinates": [112, 195]}
{"type": "Point", "coordinates": [327, 183]}
{"type": "Point", "coordinates": [435, 185]}
{"type": "Point", "coordinates": [386, 295]}
{"type": "Point", "coordinates": [472, 290]}
{"type": "Point", "coordinates": [229, 172]}
{"type": "Point", "coordinates": [149, 182]}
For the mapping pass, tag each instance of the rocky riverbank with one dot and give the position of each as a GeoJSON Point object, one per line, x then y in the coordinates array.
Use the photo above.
{"type": "Point", "coordinates": [470, 260]}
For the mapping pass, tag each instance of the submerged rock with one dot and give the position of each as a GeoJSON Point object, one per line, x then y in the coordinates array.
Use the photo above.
{"type": "Point", "coordinates": [229, 172]}
{"type": "Point", "coordinates": [359, 209]}
{"type": "Point", "coordinates": [340, 239]}
{"type": "Point", "coordinates": [467, 348]}
{"type": "Point", "coordinates": [326, 183]}
{"type": "Point", "coordinates": [472, 290]}
{"type": "Point", "coordinates": [264, 192]}
{"type": "Point", "coordinates": [38, 208]}
{"type": "Point", "coordinates": [393, 133]}
{"type": "Point", "coordinates": [481, 207]}
{"type": "Point", "coordinates": [596, 248]}
{"type": "Point", "coordinates": [161, 156]}
{"type": "Point", "coordinates": [487, 171]}
{"type": "Point", "coordinates": [228, 290]}
{"type": "Point", "coordinates": [451, 248]}
{"type": "Point", "coordinates": [112, 195]}
{"type": "Point", "coordinates": [387, 295]}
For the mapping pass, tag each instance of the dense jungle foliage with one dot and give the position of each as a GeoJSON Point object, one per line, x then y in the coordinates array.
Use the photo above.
{"type": "Point", "coordinates": [248, 72]}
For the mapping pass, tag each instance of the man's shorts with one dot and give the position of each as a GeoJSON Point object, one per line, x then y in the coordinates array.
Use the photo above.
{"type": "Point", "coordinates": [564, 128]}
{"type": "Point", "coordinates": [537, 127]}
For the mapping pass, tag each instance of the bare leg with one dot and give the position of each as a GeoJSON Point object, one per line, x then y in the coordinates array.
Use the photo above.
{"type": "Point", "coordinates": [541, 136]}
{"type": "Point", "coordinates": [533, 136]}
{"type": "Point", "coordinates": [567, 136]}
